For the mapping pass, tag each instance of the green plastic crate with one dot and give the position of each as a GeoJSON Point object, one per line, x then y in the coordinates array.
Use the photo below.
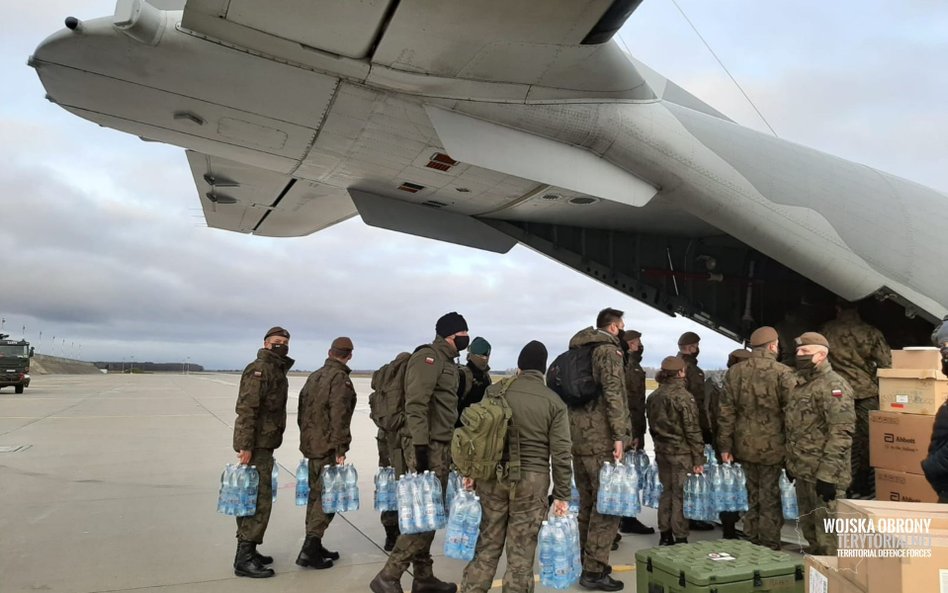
{"type": "Point", "coordinates": [722, 566]}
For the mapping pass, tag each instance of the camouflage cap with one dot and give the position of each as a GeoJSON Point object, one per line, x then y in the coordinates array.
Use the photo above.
{"type": "Point", "coordinates": [277, 331]}
{"type": "Point", "coordinates": [342, 343]}
{"type": "Point", "coordinates": [763, 336]}
{"type": "Point", "coordinates": [812, 339]}
{"type": "Point", "coordinates": [672, 363]}
{"type": "Point", "coordinates": [688, 338]}
{"type": "Point", "coordinates": [737, 356]}
{"type": "Point", "coordinates": [631, 334]}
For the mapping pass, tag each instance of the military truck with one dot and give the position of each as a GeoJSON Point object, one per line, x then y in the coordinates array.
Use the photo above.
{"type": "Point", "coordinates": [15, 358]}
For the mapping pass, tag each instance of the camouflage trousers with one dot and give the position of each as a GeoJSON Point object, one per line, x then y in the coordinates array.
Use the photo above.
{"type": "Point", "coordinates": [389, 518]}
{"type": "Point", "coordinates": [415, 549]}
{"type": "Point", "coordinates": [317, 522]}
{"type": "Point", "coordinates": [813, 510]}
{"type": "Point", "coordinates": [596, 532]}
{"type": "Point", "coordinates": [252, 529]}
{"type": "Point", "coordinates": [764, 518]}
{"type": "Point", "coordinates": [672, 471]}
{"type": "Point", "coordinates": [511, 515]}
{"type": "Point", "coordinates": [862, 473]}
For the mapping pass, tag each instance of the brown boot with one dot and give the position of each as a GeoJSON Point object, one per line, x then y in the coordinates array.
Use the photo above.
{"type": "Point", "coordinates": [382, 584]}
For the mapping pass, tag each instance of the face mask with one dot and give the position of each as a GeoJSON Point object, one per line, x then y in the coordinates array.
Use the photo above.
{"type": "Point", "coordinates": [640, 351]}
{"type": "Point", "coordinates": [280, 349]}
{"type": "Point", "coordinates": [461, 342]}
{"type": "Point", "coordinates": [805, 363]}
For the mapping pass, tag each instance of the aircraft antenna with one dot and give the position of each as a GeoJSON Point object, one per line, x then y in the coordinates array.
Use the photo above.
{"type": "Point", "coordinates": [728, 72]}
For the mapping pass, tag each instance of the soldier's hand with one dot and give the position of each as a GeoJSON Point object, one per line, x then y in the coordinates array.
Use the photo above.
{"type": "Point", "coordinates": [244, 456]}
{"type": "Point", "coordinates": [826, 491]}
{"type": "Point", "coordinates": [560, 508]}
{"type": "Point", "coordinates": [727, 457]}
{"type": "Point", "coordinates": [340, 460]}
{"type": "Point", "coordinates": [617, 451]}
{"type": "Point", "coordinates": [468, 483]}
{"type": "Point", "coordinates": [698, 469]}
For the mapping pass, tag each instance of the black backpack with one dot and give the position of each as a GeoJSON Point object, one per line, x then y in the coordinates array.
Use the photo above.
{"type": "Point", "coordinates": [571, 377]}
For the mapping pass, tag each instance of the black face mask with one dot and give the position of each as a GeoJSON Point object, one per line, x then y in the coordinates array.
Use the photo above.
{"type": "Point", "coordinates": [462, 342]}
{"type": "Point", "coordinates": [280, 349]}
{"type": "Point", "coordinates": [805, 363]}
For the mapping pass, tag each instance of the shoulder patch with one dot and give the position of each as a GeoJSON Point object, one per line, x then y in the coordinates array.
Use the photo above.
{"type": "Point", "coordinates": [429, 360]}
{"type": "Point", "coordinates": [838, 393]}
{"type": "Point", "coordinates": [257, 374]}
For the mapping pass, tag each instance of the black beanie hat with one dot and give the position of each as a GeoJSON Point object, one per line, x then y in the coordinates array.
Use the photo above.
{"type": "Point", "coordinates": [450, 324]}
{"type": "Point", "coordinates": [532, 357]}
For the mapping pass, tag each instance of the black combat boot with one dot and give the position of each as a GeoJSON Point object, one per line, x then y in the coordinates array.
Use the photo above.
{"type": "Point", "coordinates": [599, 581]}
{"type": "Point", "coordinates": [729, 524]}
{"type": "Point", "coordinates": [681, 540]}
{"type": "Point", "coordinates": [260, 558]}
{"type": "Point", "coordinates": [310, 555]}
{"type": "Point", "coordinates": [633, 525]}
{"type": "Point", "coordinates": [391, 536]}
{"type": "Point", "coordinates": [431, 584]}
{"type": "Point", "coordinates": [382, 584]}
{"type": "Point", "coordinates": [700, 526]}
{"type": "Point", "coordinates": [246, 566]}
{"type": "Point", "coordinates": [615, 542]}
{"type": "Point", "coordinates": [326, 553]}
{"type": "Point", "coordinates": [667, 539]}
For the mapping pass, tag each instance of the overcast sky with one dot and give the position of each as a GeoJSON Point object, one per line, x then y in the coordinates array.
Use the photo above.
{"type": "Point", "coordinates": [103, 244]}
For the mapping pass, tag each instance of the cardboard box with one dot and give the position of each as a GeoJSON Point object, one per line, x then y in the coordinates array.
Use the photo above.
{"type": "Point", "coordinates": [892, 574]}
{"type": "Point", "coordinates": [916, 358]}
{"type": "Point", "coordinates": [899, 441]}
{"type": "Point", "coordinates": [903, 487]}
{"type": "Point", "coordinates": [912, 391]}
{"type": "Point", "coordinates": [822, 576]}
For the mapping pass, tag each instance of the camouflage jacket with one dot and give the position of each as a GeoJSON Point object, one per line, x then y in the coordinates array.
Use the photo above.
{"type": "Point", "coordinates": [596, 426]}
{"type": "Point", "coordinates": [327, 401]}
{"type": "Point", "coordinates": [543, 423]}
{"type": "Point", "coordinates": [673, 421]}
{"type": "Point", "coordinates": [431, 393]}
{"type": "Point", "coordinates": [261, 403]}
{"type": "Point", "coordinates": [820, 419]}
{"type": "Point", "coordinates": [856, 350]}
{"type": "Point", "coordinates": [635, 396]}
{"type": "Point", "coordinates": [694, 383]}
{"type": "Point", "coordinates": [754, 396]}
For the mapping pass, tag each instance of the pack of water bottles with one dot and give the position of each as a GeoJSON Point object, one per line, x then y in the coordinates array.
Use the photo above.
{"type": "Point", "coordinates": [699, 502]}
{"type": "Point", "coordinates": [639, 461]}
{"type": "Point", "coordinates": [618, 490]}
{"type": "Point", "coordinates": [420, 503]}
{"type": "Point", "coordinates": [573, 495]}
{"type": "Point", "coordinates": [464, 524]}
{"type": "Point", "coordinates": [788, 497]}
{"type": "Point", "coordinates": [302, 483]}
{"type": "Point", "coordinates": [386, 497]}
{"type": "Point", "coordinates": [455, 485]}
{"type": "Point", "coordinates": [238, 492]}
{"type": "Point", "coordinates": [652, 488]}
{"type": "Point", "coordinates": [560, 563]}
{"type": "Point", "coordinates": [728, 486]}
{"type": "Point", "coordinates": [340, 488]}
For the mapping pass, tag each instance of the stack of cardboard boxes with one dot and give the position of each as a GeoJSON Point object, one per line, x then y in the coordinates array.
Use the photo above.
{"type": "Point", "coordinates": [910, 394]}
{"type": "Point", "coordinates": [885, 573]}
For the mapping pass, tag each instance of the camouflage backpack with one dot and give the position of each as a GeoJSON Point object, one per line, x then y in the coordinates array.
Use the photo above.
{"type": "Point", "coordinates": [478, 444]}
{"type": "Point", "coordinates": [387, 400]}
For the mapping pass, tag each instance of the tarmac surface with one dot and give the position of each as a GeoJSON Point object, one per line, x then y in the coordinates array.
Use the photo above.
{"type": "Point", "coordinates": [109, 483]}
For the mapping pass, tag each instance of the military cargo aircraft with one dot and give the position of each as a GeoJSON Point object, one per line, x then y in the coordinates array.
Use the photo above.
{"type": "Point", "coordinates": [490, 123]}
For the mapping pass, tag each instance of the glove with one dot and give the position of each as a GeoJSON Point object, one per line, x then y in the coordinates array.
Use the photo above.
{"type": "Point", "coordinates": [826, 491]}
{"type": "Point", "coordinates": [421, 458]}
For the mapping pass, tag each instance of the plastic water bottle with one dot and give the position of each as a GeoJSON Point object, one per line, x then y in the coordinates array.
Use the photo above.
{"type": "Point", "coordinates": [352, 488]}
{"type": "Point", "coordinates": [718, 488]}
{"type": "Point", "coordinates": [454, 532]}
{"type": "Point", "coordinates": [472, 525]}
{"type": "Point", "coordinates": [573, 495]}
{"type": "Point", "coordinates": [602, 498]}
{"type": "Point", "coordinates": [690, 503]}
{"type": "Point", "coordinates": [223, 491]}
{"type": "Point", "coordinates": [302, 483]}
{"type": "Point", "coordinates": [788, 497]}
{"type": "Point", "coordinates": [406, 520]}
{"type": "Point", "coordinates": [329, 489]}
{"type": "Point", "coordinates": [546, 555]}
{"type": "Point", "coordinates": [562, 559]}
{"type": "Point", "coordinates": [274, 478]}
{"type": "Point", "coordinates": [740, 489]}
{"type": "Point", "coordinates": [253, 487]}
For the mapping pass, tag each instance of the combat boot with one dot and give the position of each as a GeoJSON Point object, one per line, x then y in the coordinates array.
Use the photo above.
{"type": "Point", "coordinates": [599, 581]}
{"type": "Point", "coordinates": [381, 584]}
{"type": "Point", "coordinates": [391, 536]}
{"type": "Point", "coordinates": [246, 566]}
{"type": "Point", "coordinates": [681, 540]}
{"type": "Point", "coordinates": [633, 525]}
{"type": "Point", "coordinates": [700, 526]}
{"type": "Point", "coordinates": [260, 558]}
{"type": "Point", "coordinates": [615, 542]}
{"type": "Point", "coordinates": [667, 539]}
{"type": "Point", "coordinates": [326, 553]}
{"type": "Point", "coordinates": [310, 555]}
{"type": "Point", "coordinates": [431, 584]}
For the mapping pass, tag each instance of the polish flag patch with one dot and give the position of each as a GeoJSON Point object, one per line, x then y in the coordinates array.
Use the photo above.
{"type": "Point", "coordinates": [429, 360]}
{"type": "Point", "coordinates": [837, 393]}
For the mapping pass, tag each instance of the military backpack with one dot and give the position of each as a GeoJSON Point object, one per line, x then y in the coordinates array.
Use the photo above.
{"type": "Point", "coordinates": [387, 400]}
{"type": "Point", "coordinates": [478, 445]}
{"type": "Point", "coordinates": [571, 376]}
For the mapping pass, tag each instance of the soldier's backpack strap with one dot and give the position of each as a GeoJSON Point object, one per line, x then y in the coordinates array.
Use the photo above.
{"type": "Point", "coordinates": [513, 436]}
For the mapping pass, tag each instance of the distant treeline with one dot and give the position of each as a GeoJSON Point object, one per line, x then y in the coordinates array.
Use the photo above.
{"type": "Point", "coordinates": [149, 367]}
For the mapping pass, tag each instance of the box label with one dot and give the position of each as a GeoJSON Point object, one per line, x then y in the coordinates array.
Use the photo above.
{"type": "Point", "coordinates": [901, 399]}
{"type": "Point", "coordinates": [819, 583]}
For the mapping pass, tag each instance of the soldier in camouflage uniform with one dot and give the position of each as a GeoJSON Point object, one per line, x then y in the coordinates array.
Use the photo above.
{"type": "Point", "coordinates": [819, 419]}
{"type": "Point", "coordinates": [258, 430]}
{"type": "Point", "coordinates": [631, 341]}
{"type": "Point", "coordinates": [431, 408]}
{"type": "Point", "coordinates": [513, 509]}
{"type": "Point", "coordinates": [752, 432]}
{"type": "Point", "coordinates": [473, 377]}
{"type": "Point", "coordinates": [688, 351]}
{"type": "Point", "coordinates": [679, 448]}
{"type": "Point", "coordinates": [599, 430]}
{"type": "Point", "coordinates": [857, 350]}
{"type": "Point", "coordinates": [326, 403]}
